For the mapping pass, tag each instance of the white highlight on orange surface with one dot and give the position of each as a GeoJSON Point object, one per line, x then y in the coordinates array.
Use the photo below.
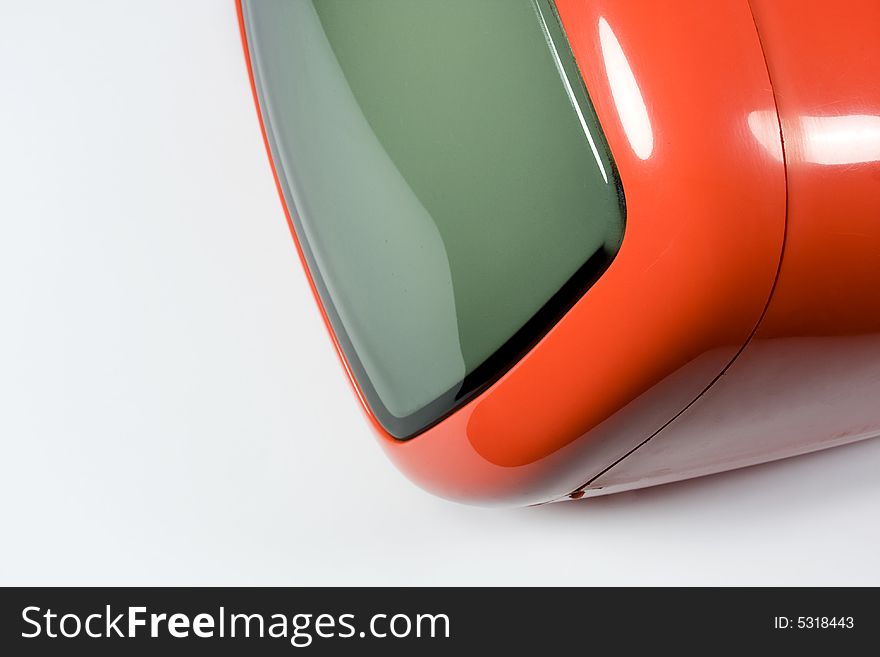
{"type": "Point", "coordinates": [829, 140]}
{"type": "Point", "coordinates": [626, 93]}
{"type": "Point", "coordinates": [849, 139]}
{"type": "Point", "coordinates": [764, 125]}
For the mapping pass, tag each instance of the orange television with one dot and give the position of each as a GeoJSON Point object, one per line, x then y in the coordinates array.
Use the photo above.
{"type": "Point", "coordinates": [577, 247]}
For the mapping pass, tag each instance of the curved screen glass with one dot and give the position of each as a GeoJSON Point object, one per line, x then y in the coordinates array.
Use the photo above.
{"type": "Point", "coordinates": [447, 178]}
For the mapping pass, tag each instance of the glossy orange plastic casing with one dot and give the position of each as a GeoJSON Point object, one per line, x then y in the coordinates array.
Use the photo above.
{"type": "Point", "coordinates": [674, 90]}
{"type": "Point", "coordinates": [825, 66]}
{"type": "Point", "coordinates": [810, 378]}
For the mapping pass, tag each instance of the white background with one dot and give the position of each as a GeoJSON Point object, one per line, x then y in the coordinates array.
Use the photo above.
{"type": "Point", "coordinates": [171, 411]}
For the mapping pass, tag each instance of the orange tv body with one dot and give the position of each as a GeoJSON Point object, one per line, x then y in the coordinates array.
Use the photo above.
{"type": "Point", "coordinates": [739, 321]}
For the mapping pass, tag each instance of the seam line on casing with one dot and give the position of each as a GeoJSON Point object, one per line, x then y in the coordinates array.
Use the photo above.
{"type": "Point", "coordinates": [772, 287]}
